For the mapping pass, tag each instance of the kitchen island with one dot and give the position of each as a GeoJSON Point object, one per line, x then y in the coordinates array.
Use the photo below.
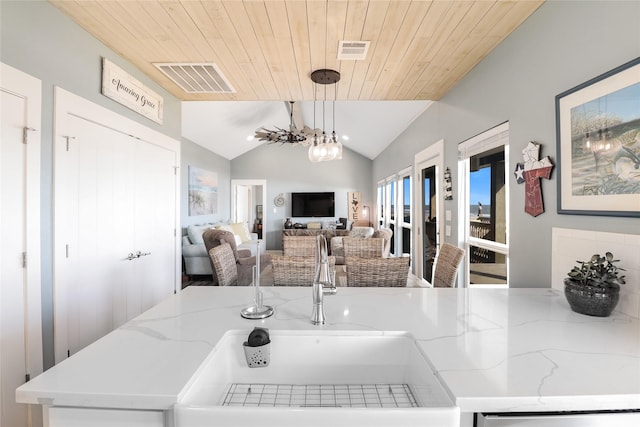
{"type": "Point", "coordinates": [495, 351]}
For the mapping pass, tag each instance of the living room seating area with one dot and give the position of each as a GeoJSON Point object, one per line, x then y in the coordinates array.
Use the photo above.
{"type": "Point", "coordinates": [359, 258]}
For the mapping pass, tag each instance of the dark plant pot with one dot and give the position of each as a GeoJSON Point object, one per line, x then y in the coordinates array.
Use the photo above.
{"type": "Point", "coordinates": [591, 300]}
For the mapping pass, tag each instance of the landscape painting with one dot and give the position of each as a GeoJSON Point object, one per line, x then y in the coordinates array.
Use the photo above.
{"type": "Point", "coordinates": [599, 145]}
{"type": "Point", "coordinates": [203, 192]}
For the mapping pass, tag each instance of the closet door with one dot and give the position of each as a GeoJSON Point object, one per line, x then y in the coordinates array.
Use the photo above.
{"type": "Point", "coordinates": [115, 219]}
{"type": "Point", "coordinates": [154, 216]}
{"type": "Point", "coordinates": [95, 231]}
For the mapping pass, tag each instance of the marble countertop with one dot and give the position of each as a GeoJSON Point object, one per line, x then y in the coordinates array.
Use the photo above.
{"type": "Point", "coordinates": [494, 350]}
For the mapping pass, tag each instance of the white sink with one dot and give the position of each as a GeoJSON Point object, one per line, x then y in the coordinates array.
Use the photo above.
{"type": "Point", "coordinates": [317, 378]}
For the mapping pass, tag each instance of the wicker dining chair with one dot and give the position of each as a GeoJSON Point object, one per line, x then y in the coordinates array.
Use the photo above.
{"type": "Point", "coordinates": [300, 246]}
{"type": "Point", "coordinates": [370, 247]}
{"type": "Point", "coordinates": [225, 265]}
{"type": "Point", "coordinates": [448, 260]}
{"type": "Point", "coordinates": [387, 272]}
{"type": "Point", "coordinates": [296, 270]}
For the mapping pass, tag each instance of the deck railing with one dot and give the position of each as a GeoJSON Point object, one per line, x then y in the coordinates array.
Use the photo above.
{"type": "Point", "coordinates": [481, 228]}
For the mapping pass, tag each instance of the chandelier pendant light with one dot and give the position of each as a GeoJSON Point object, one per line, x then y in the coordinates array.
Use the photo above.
{"type": "Point", "coordinates": [325, 148]}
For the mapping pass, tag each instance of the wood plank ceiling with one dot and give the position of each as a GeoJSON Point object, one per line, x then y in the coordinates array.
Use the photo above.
{"type": "Point", "coordinates": [267, 49]}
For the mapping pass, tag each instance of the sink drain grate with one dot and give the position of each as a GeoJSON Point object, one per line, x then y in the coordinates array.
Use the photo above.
{"type": "Point", "coordinates": [321, 395]}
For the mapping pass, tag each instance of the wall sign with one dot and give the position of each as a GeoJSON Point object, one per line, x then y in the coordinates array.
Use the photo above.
{"type": "Point", "coordinates": [354, 208]}
{"type": "Point", "coordinates": [125, 89]}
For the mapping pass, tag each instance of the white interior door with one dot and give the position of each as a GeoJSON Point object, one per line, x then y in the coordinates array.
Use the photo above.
{"type": "Point", "coordinates": [116, 251]}
{"type": "Point", "coordinates": [243, 203]}
{"type": "Point", "coordinates": [20, 319]}
{"type": "Point", "coordinates": [94, 184]}
{"type": "Point", "coordinates": [155, 201]}
{"type": "Point", "coordinates": [247, 195]}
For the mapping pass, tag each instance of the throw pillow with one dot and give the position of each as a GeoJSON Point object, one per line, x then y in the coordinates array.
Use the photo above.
{"type": "Point", "coordinates": [361, 232]}
{"type": "Point", "coordinates": [241, 229]}
{"type": "Point", "coordinates": [230, 229]}
{"type": "Point", "coordinates": [195, 233]}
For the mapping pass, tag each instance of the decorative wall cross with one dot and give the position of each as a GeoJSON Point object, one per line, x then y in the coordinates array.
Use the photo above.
{"type": "Point", "coordinates": [530, 172]}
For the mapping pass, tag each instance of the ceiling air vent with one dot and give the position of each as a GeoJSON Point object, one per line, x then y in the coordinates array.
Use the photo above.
{"type": "Point", "coordinates": [196, 78]}
{"type": "Point", "coordinates": [355, 50]}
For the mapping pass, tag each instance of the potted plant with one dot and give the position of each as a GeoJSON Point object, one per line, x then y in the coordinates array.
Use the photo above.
{"type": "Point", "coordinates": [593, 287]}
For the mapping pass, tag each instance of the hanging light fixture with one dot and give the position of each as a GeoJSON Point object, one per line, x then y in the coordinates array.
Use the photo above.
{"type": "Point", "coordinates": [325, 148]}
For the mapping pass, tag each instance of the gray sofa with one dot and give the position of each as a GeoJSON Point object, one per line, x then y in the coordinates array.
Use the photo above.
{"type": "Point", "coordinates": [196, 259]}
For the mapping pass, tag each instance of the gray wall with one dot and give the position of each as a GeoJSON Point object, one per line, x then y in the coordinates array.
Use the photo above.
{"type": "Point", "coordinates": [38, 39]}
{"type": "Point", "coordinates": [287, 169]}
{"type": "Point", "coordinates": [193, 154]}
{"type": "Point", "coordinates": [560, 46]}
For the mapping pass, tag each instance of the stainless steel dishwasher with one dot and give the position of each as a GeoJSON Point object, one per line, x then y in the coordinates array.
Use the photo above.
{"type": "Point", "coordinates": [562, 419]}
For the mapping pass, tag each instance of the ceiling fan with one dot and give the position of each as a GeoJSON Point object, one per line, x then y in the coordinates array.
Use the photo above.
{"type": "Point", "coordinates": [293, 135]}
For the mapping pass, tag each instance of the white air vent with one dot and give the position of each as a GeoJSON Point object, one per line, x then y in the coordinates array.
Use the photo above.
{"type": "Point", "coordinates": [196, 78]}
{"type": "Point", "coordinates": [354, 51]}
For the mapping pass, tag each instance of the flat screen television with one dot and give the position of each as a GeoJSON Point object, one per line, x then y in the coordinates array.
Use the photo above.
{"type": "Point", "coordinates": [313, 204]}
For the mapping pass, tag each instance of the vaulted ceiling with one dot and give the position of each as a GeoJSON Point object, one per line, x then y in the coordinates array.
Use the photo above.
{"type": "Point", "coordinates": [267, 49]}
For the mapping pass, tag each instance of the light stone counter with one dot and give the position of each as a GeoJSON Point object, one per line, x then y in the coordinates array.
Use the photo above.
{"type": "Point", "coordinates": [494, 350]}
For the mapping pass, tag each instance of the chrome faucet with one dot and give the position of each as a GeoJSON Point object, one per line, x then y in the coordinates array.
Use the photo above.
{"type": "Point", "coordinates": [323, 281]}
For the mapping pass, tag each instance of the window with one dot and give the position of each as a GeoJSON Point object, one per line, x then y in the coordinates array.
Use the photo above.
{"type": "Point", "coordinates": [405, 219]}
{"type": "Point", "coordinates": [382, 215]}
{"type": "Point", "coordinates": [394, 200]}
{"type": "Point", "coordinates": [391, 212]}
{"type": "Point", "coordinates": [484, 205]}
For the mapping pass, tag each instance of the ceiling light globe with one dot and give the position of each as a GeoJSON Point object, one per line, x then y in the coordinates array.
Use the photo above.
{"type": "Point", "coordinates": [314, 153]}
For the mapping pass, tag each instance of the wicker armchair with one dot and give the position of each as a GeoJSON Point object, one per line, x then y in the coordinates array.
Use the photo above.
{"type": "Point", "coordinates": [377, 271]}
{"type": "Point", "coordinates": [447, 262]}
{"type": "Point", "coordinates": [386, 234]}
{"type": "Point", "coordinates": [224, 264]}
{"type": "Point", "coordinates": [296, 270]}
{"type": "Point", "coordinates": [363, 248]}
{"type": "Point", "coordinates": [244, 261]}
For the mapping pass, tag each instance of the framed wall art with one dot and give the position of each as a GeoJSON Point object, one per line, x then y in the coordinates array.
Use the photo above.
{"type": "Point", "coordinates": [598, 144]}
{"type": "Point", "coordinates": [203, 192]}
